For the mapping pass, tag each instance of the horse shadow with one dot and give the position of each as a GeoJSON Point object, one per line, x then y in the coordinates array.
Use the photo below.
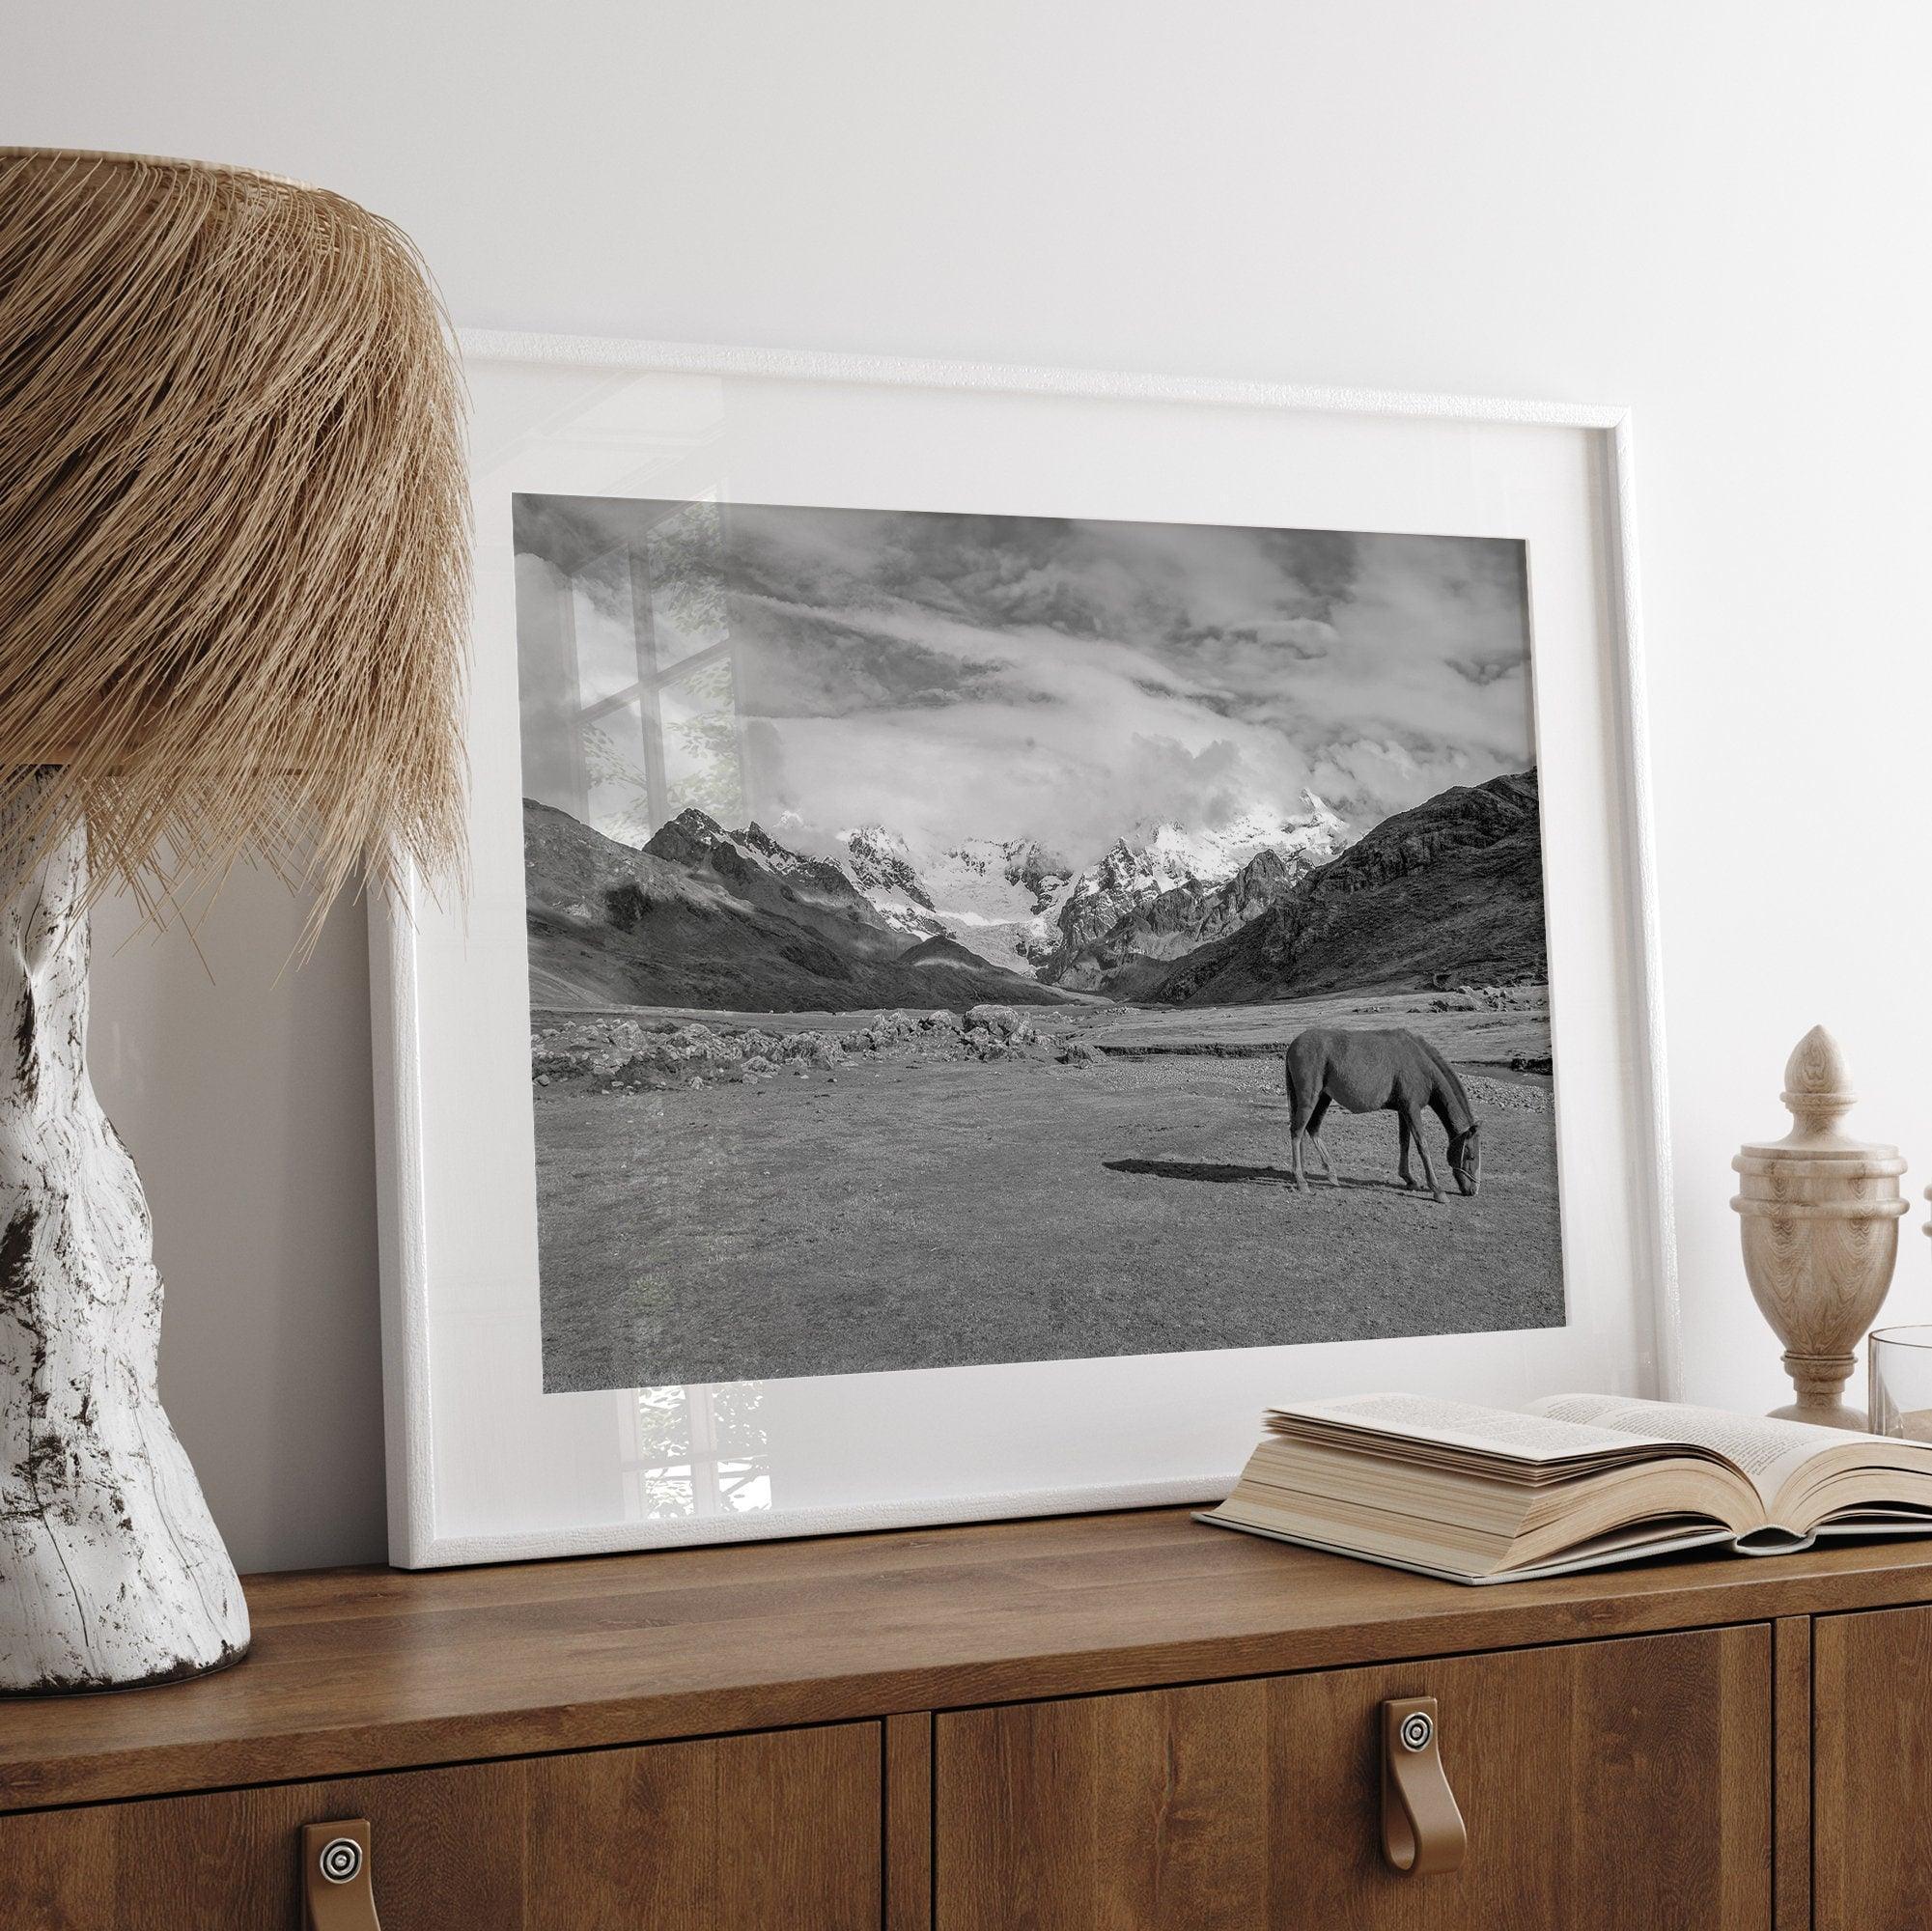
{"type": "Point", "coordinates": [1227, 1173]}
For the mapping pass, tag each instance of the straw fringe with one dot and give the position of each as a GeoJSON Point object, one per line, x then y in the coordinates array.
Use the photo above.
{"type": "Point", "coordinates": [234, 532]}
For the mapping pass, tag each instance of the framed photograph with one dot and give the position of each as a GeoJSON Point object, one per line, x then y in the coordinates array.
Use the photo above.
{"type": "Point", "coordinates": [1018, 918]}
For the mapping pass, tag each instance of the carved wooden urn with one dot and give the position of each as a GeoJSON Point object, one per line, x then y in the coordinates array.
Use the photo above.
{"type": "Point", "coordinates": [1821, 1214]}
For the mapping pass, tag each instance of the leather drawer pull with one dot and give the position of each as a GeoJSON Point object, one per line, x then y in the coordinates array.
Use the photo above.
{"type": "Point", "coordinates": [1422, 1830]}
{"type": "Point", "coordinates": [336, 1891]}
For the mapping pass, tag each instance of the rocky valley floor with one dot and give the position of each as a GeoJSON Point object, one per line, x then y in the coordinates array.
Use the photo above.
{"type": "Point", "coordinates": [875, 1195]}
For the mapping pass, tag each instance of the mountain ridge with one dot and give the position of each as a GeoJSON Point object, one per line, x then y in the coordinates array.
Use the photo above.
{"type": "Point", "coordinates": [728, 921]}
{"type": "Point", "coordinates": [1152, 894]}
{"type": "Point", "coordinates": [1449, 890]}
{"type": "Point", "coordinates": [1155, 905]}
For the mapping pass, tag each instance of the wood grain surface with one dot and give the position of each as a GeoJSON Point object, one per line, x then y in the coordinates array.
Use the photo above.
{"type": "Point", "coordinates": [757, 1834]}
{"type": "Point", "coordinates": [1873, 1769]}
{"type": "Point", "coordinates": [362, 1670]}
{"type": "Point", "coordinates": [1618, 1784]}
{"type": "Point", "coordinates": [909, 1822]}
{"type": "Point", "coordinates": [1791, 1789]}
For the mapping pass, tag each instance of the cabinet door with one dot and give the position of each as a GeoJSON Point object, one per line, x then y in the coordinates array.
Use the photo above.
{"type": "Point", "coordinates": [1871, 1790]}
{"type": "Point", "coordinates": [758, 1833]}
{"type": "Point", "coordinates": [1619, 1784]}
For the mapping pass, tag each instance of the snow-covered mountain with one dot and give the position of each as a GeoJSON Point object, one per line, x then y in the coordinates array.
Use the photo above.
{"type": "Point", "coordinates": [1171, 858]}
{"type": "Point", "coordinates": [878, 861]}
{"type": "Point", "coordinates": [1000, 899]}
{"type": "Point", "coordinates": [880, 864]}
{"type": "Point", "coordinates": [1151, 895]}
{"type": "Point", "coordinates": [1113, 928]}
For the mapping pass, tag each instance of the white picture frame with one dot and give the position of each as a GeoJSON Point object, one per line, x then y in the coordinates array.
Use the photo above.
{"type": "Point", "coordinates": [482, 1465]}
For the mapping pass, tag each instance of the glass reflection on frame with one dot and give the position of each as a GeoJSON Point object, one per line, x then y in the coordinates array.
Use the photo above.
{"type": "Point", "coordinates": [696, 1451]}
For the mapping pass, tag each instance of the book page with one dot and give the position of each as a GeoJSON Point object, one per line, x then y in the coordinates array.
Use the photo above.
{"type": "Point", "coordinates": [1638, 1546]}
{"type": "Point", "coordinates": [1765, 1452]}
{"type": "Point", "coordinates": [1495, 1431]}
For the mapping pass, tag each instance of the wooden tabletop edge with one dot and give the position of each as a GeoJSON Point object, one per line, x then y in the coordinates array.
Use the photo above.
{"type": "Point", "coordinates": [364, 1693]}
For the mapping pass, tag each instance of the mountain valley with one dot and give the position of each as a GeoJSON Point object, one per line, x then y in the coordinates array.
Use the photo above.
{"type": "Point", "coordinates": [1265, 909]}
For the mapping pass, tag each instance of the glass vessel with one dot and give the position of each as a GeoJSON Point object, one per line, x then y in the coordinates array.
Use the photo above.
{"type": "Point", "coordinates": [1901, 1381]}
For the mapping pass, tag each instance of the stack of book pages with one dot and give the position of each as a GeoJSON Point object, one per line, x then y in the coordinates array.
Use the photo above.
{"type": "Point", "coordinates": [1492, 1494]}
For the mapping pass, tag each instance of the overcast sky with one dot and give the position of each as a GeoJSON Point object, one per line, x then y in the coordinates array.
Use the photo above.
{"type": "Point", "coordinates": [951, 675]}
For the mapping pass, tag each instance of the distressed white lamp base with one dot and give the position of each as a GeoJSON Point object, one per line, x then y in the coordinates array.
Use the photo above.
{"type": "Point", "coordinates": [111, 1570]}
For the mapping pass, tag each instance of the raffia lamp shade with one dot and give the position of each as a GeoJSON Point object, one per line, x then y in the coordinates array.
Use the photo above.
{"type": "Point", "coordinates": [232, 521]}
{"type": "Point", "coordinates": [233, 603]}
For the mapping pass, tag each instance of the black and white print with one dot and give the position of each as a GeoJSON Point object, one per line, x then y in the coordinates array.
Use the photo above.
{"type": "Point", "coordinates": [966, 939]}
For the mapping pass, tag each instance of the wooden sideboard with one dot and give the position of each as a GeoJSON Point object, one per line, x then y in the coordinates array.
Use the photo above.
{"type": "Point", "coordinates": [1118, 1720]}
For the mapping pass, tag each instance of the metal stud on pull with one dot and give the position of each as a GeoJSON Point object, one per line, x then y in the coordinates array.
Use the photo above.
{"type": "Point", "coordinates": [341, 1859]}
{"type": "Point", "coordinates": [336, 1891]}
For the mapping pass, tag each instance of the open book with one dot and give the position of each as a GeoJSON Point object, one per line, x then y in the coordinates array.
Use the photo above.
{"type": "Point", "coordinates": [1488, 1494]}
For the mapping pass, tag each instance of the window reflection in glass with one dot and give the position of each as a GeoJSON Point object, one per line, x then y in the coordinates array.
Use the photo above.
{"type": "Point", "coordinates": [623, 623]}
{"type": "Point", "coordinates": [698, 1451]}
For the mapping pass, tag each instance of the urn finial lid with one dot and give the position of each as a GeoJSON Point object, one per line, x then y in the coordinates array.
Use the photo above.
{"type": "Point", "coordinates": [1818, 1091]}
{"type": "Point", "coordinates": [1817, 1085]}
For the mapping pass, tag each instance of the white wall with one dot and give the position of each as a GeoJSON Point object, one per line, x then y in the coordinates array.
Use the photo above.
{"type": "Point", "coordinates": [1714, 210]}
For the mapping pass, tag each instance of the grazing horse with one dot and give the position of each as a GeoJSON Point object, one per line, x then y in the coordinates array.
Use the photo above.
{"type": "Point", "coordinates": [1376, 1072]}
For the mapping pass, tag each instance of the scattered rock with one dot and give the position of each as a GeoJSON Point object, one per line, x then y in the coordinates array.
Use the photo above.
{"type": "Point", "coordinates": [824, 1049]}
{"type": "Point", "coordinates": [611, 1053]}
{"type": "Point", "coordinates": [1001, 1021]}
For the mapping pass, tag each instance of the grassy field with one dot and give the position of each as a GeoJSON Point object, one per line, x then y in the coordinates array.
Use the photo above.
{"type": "Point", "coordinates": [916, 1212]}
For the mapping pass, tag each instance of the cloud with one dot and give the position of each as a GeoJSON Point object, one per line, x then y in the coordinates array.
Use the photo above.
{"type": "Point", "coordinates": [952, 676]}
